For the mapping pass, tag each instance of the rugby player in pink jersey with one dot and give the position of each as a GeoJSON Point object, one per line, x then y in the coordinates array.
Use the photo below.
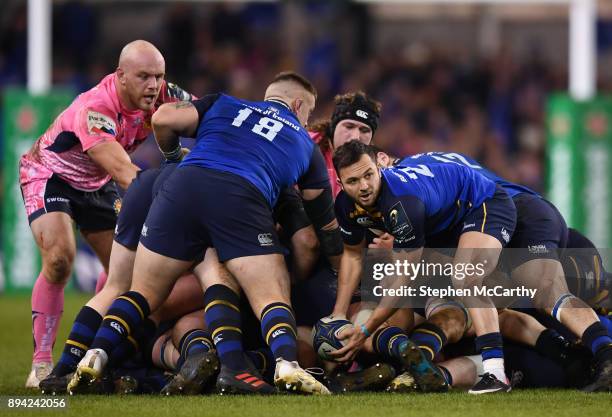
{"type": "Point", "coordinates": [70, 174]}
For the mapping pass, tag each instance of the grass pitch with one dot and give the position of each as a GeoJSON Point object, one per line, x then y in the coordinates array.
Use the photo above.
{"type": "Point", "coordinates": [16, 352]}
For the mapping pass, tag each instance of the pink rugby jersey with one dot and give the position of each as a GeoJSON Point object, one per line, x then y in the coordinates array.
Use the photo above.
{"type": "Point", "coordinates": [94, 117]}
{"type": "Point", "coordinates": [327, 155]}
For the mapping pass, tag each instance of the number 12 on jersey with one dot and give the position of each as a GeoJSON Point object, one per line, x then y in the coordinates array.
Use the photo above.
{"type": "Point", "coordinates": [265, 127]}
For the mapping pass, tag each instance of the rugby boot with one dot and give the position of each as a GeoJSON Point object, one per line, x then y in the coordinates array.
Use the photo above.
{"type": "Point", "coordinates": [373, 378]}
{"type": "Point", "coordinates": [489, 383]}
{"type": "Point", "coordinates": [603, 378]}
{"type": "Point", "coordinates": [247, 381]}
{"type": "Point", "coordinates": [428, 376]}
{"type": "Point", "coordinates": [193, 376]}
{"type": "Point", "coordinates": [39, 371]}
{"type": "Point", "coordinates": [88, 370]}
{"type": "Point", "coordinates": [288, 376]}
{"type": "Point", "coordinates": [55, 384]}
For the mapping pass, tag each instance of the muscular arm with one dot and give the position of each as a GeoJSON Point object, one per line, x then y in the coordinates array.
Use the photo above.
{"type": "Point", "coordinates": [172, 120]}
{"type": "Point", "coordinates": [348, 277]}
{"type": "Point", "coordinates": [389, 305]}
{"type": "Point", "coordinates": [114, 159]}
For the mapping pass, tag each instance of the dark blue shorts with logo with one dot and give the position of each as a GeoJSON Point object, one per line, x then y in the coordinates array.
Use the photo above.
{"type": "Point", "coordinates": [495, 217]}
{"type": "Point", "coordinates": [197, 208]}
{"type": "Point", "coordinates": [136, 203]}
{"type": "Point", "coordinates": [540, 231]}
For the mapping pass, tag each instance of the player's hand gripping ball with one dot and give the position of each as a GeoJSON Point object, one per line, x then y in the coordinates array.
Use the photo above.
{"type": "Point", "coordinates": [326, 335]}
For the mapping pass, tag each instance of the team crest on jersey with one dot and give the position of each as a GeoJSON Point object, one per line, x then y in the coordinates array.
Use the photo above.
{"type": "Point", "coordinates": [117, 206]}
{"type": "Point", "coordinates": [99, 124]}
{"type": "Point", "coordinates": [398, 224]}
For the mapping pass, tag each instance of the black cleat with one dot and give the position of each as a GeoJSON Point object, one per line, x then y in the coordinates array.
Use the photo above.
{"type": "Point", "coordinates": [427, 375]}
{"type": "Point", "coordinates": [54, 384]}
{"type": "Point", "coordinates": [242, 382]}
{"type": "Point", "coordinates": [374, 378]}
{"type": "Point", "coordinates": [125, 385]}
{"type": "Point", "coordinates": [489, 383]}
{"type": "Point", "coordinates": [193, 376]}
{"type": "Point", "coordinates": [603, 378]}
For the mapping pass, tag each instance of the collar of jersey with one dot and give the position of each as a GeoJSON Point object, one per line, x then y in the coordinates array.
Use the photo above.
{"type": "Point", "coordinates": [282, 103]}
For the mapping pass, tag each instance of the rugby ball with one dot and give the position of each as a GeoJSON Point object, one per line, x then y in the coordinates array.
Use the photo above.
{"type": "Point", "coordinates": [325, 336]}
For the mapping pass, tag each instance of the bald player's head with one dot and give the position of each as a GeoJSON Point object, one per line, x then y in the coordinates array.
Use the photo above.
{"type": "Point", "coordinates": [294, 90]}
{"type": "Point", "coordinates": [140, 73]}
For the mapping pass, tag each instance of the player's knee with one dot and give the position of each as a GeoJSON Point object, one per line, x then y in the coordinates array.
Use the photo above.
{"type": "Point", "coordinates": [58, 265]}
{"type": "Point", "coordinates": [451, 321]}
{"type": "Point", "coordinates": [305, 240]}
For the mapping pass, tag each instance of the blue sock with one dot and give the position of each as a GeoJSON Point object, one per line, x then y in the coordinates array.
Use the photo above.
{"type": "Point", "coordinates": [138, 341]}
{"type": "Point", "coordinates": [125, 315]}
{"type": "Point", "coordinates": [263, 360]}
{"type": "Point", "coordinates": [82, 334]}
{"type": "Point", "coordinates": [597, 339]}
{"type": "Point", "coordinates": [280, 331]}
{"type": "Point", "coordinates": [194, 341]}
{"type": "Point", "coordinates": [490, 346]}
{"type": "Point", "coordinates": [429, 338]}
{"type": "Point", "coordinates": [389, 342]}
{"type": "Point", "coordinates": [222, 315]}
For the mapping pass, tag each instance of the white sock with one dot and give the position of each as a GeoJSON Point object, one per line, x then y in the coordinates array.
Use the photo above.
{"type": "Point", "coordinates": [495, 366]}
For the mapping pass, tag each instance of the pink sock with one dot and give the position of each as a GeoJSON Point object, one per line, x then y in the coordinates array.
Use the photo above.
{"type": "Point", "coordinates": [47, 307]}
{"type": "Point", "coordinates": [101, 281]}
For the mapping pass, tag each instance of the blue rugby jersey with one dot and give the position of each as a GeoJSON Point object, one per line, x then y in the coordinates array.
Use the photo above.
{"type": "Point", "coordinates": [511, 188]}
{"type": "Point", "coordinates": [262, 141]}
{"type": "Point", "coordinates": [416, 200]}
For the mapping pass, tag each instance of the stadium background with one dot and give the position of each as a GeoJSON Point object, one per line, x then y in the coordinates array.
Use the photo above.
{"type": "Point", "coordinates": [473, 78]}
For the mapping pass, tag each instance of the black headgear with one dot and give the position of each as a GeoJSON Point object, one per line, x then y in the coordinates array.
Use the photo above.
{"type": "Point", "coordinates": [360, 109]}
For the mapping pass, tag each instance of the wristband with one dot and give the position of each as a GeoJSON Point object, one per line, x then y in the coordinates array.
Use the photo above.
{"type": "Point", "coordinates": [365, 331]}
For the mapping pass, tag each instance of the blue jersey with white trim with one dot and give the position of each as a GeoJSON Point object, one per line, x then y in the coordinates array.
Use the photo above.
{"type": "Point", "coordinates": [263, 142]}
{"type": "Point", "coordinates": [456, 158]}
{"type": "Point", "coordinates": [416, 201]}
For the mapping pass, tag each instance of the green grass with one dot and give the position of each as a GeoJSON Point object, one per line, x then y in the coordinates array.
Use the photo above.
{"type": "Point", "coordinates": [15, 356]}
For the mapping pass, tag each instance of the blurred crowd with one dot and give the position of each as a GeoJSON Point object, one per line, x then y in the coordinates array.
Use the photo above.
{"type": "Point", "coordinates": [433, 98]}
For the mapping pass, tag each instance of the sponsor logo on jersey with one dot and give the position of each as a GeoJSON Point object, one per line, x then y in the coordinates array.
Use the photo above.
{"type": "Point", "coordinates": [265, 239]}
{"type": "Point", "coordinates": [99, 124]}
{"type": "Point", "coordinates": [399, 224]}
{"type": "Point", "coordinates": [144, 230]}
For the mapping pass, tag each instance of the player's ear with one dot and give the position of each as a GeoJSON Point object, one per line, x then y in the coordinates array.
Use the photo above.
{"type": "Point", "coordinates": [120, 75]}
{"type": "Point", "coordinates": [340, 183]}
{"type": "Point", "coordinates": [296, 105]}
